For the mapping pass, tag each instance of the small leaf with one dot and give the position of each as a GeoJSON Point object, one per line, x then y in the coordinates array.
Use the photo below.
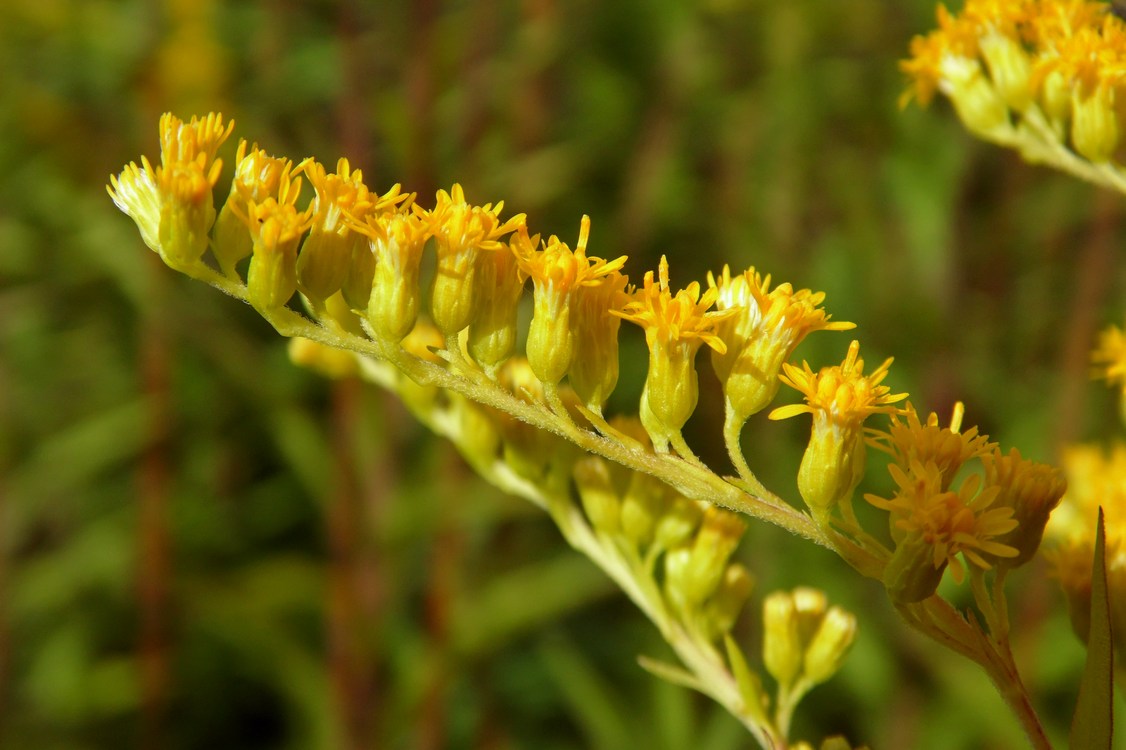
{"type": "Point", "coordinates": [750, 686]}
{"type": "Point", "coordinates": [1092, 727]}
{"type": "Point", "coordinates": [671, 673]}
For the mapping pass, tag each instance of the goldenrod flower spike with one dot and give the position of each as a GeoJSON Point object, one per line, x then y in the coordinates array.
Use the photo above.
{"type": "Point", "coordinates": [182, 142]}
{"type": "Point", "coordinates": [462, 232]}
{"type": "Point", "coordinates": [257, 177]}
{"type": "Point", "coordinates": [840, 398]}
{"type": "Point", "coordinates": [675, 328]}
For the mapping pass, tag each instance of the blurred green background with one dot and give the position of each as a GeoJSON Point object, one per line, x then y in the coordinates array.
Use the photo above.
{"type": "Point", "coordinates": [206, 547]}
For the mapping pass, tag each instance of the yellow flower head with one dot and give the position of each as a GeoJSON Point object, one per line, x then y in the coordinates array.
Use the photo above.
{"type": "Point", "coordinates": [1032, 490]}
{"type": "Point", "coordinates": [1095, 477]}
{"type": "Point", "coordinates": [675, 328]}
{"type": "Point", "coordinates": [1109, 357]}
{"type": "Point", "coordinates": [257, 177]}
{"type": "Point", "coordinates": [276, 227]}
{"type": "Point", "coordinates": [932, 526]}
{"type": "Point", "coordinates": [842, 394]}
{"type": "Point", "coordinates": [908, 439]}
{"type": "Point", "coordinates": [930, 54]}
{"type": "Point", "coordinates": [594, 369]}
{"type": "Point", "coordinates": [340, 201]}
{"type": "Point", "coordinates": [557, 273]}
{"type": "Point", "coordinates": [462, 232]}
{"type": "Point", "coordinates": [840, 398]}
{"type": "Point", "coordinates": [492, 332]}
{"type": "Point", "coordinates": [392, 245]}
{"type": "Point", "coordinates": [135, 193]}
{"type": "Point", "coordinates": [182, 142]}
{"type": "Point", "coordinates": [172, 204]}
{"type": "Point", "coordinates": [765, 328]}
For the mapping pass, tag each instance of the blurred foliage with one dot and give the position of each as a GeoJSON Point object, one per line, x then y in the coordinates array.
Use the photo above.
{"type": "Point", "coordinates": [203, 546]}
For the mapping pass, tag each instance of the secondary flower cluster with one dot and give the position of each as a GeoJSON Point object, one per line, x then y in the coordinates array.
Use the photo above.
{"type": "Point", "coordinates": [1096, 479]}
{"type": "Point", "coordinates": [995, 518]}
{"type": "Point", "coordinates": [1003, 58]}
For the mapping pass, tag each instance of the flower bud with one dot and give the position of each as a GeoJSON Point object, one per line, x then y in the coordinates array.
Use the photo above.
{"type": "Point", "coordinates": [1032, 490]}
{"type": "Point", "coordinates": [831, 467]}
{"type": "Point", "coordinates": [276, 229]}
{"type": "Point", "coordinates": [912, 575]}
{"type": "Point", "coordinates": [976, 101]}
{"type": "Point", "coordinates": [828, 647]}
{"type": "Point", "coordinates": [644, 501]}
{"type": "Point", "coordinates": [596, 491]}
{"type": "Point", "coordinates": [781, 642]}
{"type": "Point", "coordinates": [1009, 69]}
{"type": "Point", "coordinates": [1094, 123]}
{"type": "Point", "coordinates": [396, 241]}
{"type": "Point", "coordinates": [492, 333]}
{"type": "Point", "coordinates": [677, 524]}
{"type": "Point", "coordinates": [594, 369]}
{"type": "Point", "coordinates": [730, 597]}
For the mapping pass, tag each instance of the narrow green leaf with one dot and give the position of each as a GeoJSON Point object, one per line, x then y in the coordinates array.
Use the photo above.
{"type": "Point", "coordinates": [750, 686]}
{"type": "Point", "coordinates": [670, 673]}
{"type": "Point", "coordinates": [1092, 727]}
